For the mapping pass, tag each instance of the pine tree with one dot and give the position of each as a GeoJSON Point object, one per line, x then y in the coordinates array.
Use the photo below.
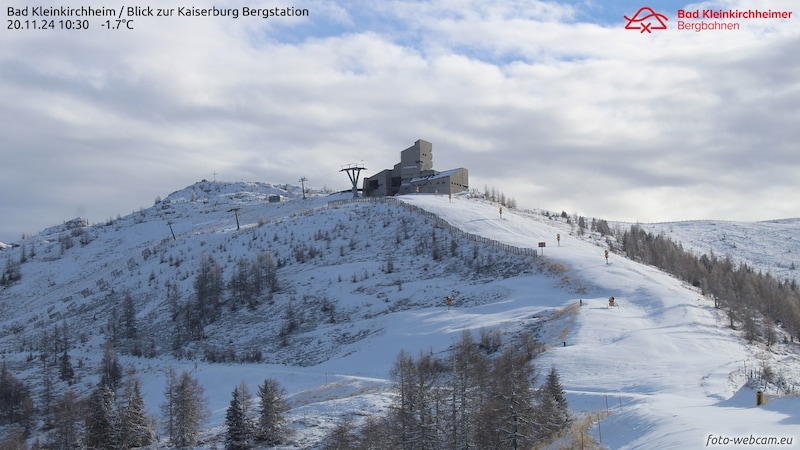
{"type": "Point", "coordinates": [168, 407]}
{"type": "Point", "coordinates": [179, 315]}
{"type": "Point", "coordinates": [101, 421]}
{"type": "Point", "coordinates": [189, 411]}
{"type": "Point", "coordinates": [67, 416]}
{"type": "Point", "coordinates": [11, 274]}
{"type": "Point", "coordinates": [7, 381]}
{"type": "Point", "coordinates": [46, 402]}
{"type": "Point", "coordinates": [208, 287]}
{"type": "Point", "coordinates": [135, 428]}
{"type": "Point", "coordinates": [271, 421]}
{"type": "Point", "coordinates": [110, 370]}
{"type": "Point", "coordinates": [507, 414]}
{"type": "Point", "coordinates": [375, 433]}
{"type": "Point", "coordinates": [237, 436]}
{"type": "Point", "coordinates": [241, 284]}
{"type": "Point", "coordinates": [342, 436]}
{"type": "Point", "coordinates": [554, 410]}
{"type": "Point", "coordinates": [581, 225]}
{"type": "Point", "coordinates": [265, 275]}
{"type": "Point", "coordinates": [419, 417]}
{"type": "Point", "coordinates": [15, 400]}
{"type": "Point", "coordinates": [66, 372]}
{"type": "Point", "coordinates": [769, 331]}
{"type": "Point", "coordinates": [469, 386]}
{"type": "Point", "coordinates": [403, 414]}
{"type": "Point", "coordinates": [129, 317]}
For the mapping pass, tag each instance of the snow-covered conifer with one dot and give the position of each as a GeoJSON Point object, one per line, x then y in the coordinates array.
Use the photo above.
{"type": "Point", "coordinates": [553, 410]}
{"type": "Point", "coordinates": [135, 427]}
{"type": "Point", "coordinates": [101, 420]}
{"type": "Point", "coordinates": [271, 421]}
{"type": "Point", "coordinates": [237, 435]}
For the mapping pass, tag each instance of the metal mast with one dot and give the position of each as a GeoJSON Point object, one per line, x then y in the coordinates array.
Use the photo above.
{"type": "Point", "coordinates": [353, 172]}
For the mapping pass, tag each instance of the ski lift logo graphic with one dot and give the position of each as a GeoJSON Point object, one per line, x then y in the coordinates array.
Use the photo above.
{"type": "Point", "coordinates": [646, 19]}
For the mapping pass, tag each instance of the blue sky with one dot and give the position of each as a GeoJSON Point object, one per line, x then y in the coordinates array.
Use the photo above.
{"type": "Point", "coordinates": [555, 103]}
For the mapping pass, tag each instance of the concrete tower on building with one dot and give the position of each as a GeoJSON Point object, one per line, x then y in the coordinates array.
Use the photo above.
{"type": "Point", "coordinates": [415, 173]}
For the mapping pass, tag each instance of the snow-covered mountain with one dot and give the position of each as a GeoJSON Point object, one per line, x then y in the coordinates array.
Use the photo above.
{"type": "Point", "coordinates": [359, 281]}
{"type": "Point", "coordinates": [771, 246]}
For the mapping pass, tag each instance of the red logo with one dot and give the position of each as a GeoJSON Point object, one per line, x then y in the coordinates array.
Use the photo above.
{"type": "Point", "coordinates": [642, 20]}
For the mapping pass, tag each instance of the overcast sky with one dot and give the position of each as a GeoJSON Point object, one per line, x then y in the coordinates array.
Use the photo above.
{"type": "Point", "coordinates": [554, 103]}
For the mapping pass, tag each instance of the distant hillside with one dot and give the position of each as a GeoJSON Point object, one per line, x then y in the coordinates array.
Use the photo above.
{"type": "Point", "coordinates": [771, 246]}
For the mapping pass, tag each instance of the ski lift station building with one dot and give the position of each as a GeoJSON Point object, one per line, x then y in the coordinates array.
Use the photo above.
{"type": "Point", "coordinates": [415, 173]}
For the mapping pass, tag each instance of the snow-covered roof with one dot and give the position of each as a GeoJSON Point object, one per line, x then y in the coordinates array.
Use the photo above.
{"type": "Point", "coordinates": [444, 174]}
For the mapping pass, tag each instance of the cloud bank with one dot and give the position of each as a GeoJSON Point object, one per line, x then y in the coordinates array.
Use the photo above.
{"type": "Point", "coordinates": [554, 103]}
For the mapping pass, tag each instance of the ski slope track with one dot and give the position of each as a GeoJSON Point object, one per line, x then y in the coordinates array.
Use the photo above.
{"type": "Point", "coordinates": [661, 370]}
{"type": "Point", "coordinates": [662, 361]}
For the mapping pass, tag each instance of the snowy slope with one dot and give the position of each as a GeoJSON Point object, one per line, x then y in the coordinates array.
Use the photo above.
{"type": "Point", "coordinates": [663, 359]}
{"type": "Point", "coordinates": [662, 363]}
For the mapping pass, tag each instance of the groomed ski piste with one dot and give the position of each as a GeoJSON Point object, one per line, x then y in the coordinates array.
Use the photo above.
{"type": "Point", "coordinates": [662, 364]}
{"type": "Point", "coordinates": [661, 370]}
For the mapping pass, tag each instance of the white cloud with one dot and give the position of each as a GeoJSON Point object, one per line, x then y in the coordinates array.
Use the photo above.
{"type": "Point", "coordinates": [557, 113]}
